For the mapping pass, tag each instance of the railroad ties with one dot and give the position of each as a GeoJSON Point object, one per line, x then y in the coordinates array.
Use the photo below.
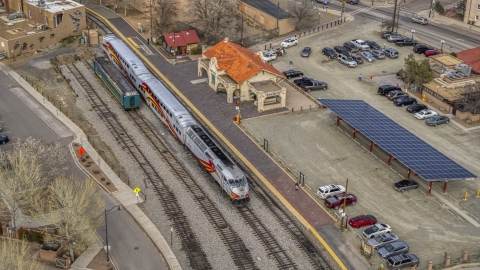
{"type": "Point", "coordinates": [100, 24]}
{"type": "Point", "coordinates": [190, 244]}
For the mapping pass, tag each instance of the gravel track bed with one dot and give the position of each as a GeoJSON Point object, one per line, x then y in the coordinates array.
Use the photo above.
{"type": "Point", "coordinates": [216, 252]}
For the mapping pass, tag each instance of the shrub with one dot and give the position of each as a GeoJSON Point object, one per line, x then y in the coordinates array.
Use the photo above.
{"type": "Point", "coordinates": [439, 8]}
{"type": "Point", "coordinates": [96, 171]}
{"type": "Point", "coordinates": [102, 179]}
{"type": "Point", "coordinates": [33, 236]}
{"type": "Point", "coordinates": [454, 54]}
{"type": "Point", "coordinates": [83, 160]}
{"type": "Point", "coordinates": [196, 50]}
{"type": "Point", "coordinates": [108, 183]}
{"type": "Point", "coordinates": [88, 165]}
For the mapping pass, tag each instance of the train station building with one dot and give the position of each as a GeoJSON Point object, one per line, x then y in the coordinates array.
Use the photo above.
{"type": "Point", "coordinates": [242, 75]}
{"type": "Point", "coordinates": [31, 25]}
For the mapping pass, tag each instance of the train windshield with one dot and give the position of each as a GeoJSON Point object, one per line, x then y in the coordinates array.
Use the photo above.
{"type": "Point", "coordinates": [238, 182]}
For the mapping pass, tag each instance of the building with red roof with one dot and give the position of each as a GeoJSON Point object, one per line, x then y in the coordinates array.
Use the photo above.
{"type": "Point", "coordinates": [181, 42]}
{"type": "Point", "coordinates": [471, 57]}
{"type": "Point", "coordinates": [242, 74]}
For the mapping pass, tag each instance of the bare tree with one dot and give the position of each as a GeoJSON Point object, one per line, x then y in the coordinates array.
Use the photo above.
{"type": "Point", "coordinates": [162, 12]}
{"type": "Point", "coordinates": [74, 207]}
{"type": "Point", "coordinates": [127, 4]}
{"type": "Point", "coordinates": [470, 101]}
{"type": "Point", "coordinates": [17, 255]}
{"type": "Point", "coordinates": [216, 17]}
{"type": "Point", "coordinates": [302, 10]}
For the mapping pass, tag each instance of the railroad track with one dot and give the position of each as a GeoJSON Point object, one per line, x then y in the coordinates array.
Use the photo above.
{"type": "Point", "coordinates": [190, 244]}
{"type": "Point", "coordinates": [100, 24]}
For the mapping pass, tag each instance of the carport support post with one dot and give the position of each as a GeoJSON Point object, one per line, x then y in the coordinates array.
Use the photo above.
{"type": "Point", "coordinates": [408, 174]}
{"type": "Point", "coordinates": [354, 133]}
{"type": "Point", "coordinates": [445, 186]}
{"type": "Point", "coordinates": [372, 144]}
{"type": "Point", "coordinates": [344, 204]}
{"type": "Point", "coordinates": [338, 120]}
{"type": "Point", "coordinates": [430, 188]}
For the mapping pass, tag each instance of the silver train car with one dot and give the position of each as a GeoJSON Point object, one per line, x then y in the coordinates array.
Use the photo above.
{"type": "Point", "coordinates": [180, 122]}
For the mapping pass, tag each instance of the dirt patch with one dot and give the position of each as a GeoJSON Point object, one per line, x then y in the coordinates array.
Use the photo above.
{"type": "Point", "coordinates": [92, 167]}
{"type": "Point", "coordinates": [100, 262]}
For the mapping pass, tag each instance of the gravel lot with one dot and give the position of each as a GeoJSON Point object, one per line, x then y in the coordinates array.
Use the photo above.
{"type": "Point", "coordinates": [309, 142]}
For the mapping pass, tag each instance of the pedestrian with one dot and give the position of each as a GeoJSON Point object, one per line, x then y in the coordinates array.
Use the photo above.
{"type": "Point", "coordinates": [296, 186]}
{"type": "Point", "coordinates": [148, 40]}
{"type": "Point", "coordinates": [360, 78]}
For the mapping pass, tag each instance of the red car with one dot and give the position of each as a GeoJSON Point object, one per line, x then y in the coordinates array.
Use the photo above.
{"type": "Point", "coordinates": [362, 220]}
{"type": "Point", "coordinates": [336, 201]}
{"type": "Point", "coordinates": [429, 53]}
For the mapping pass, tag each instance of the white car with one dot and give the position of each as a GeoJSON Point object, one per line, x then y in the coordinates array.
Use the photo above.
{"type": "Point", "coordinates": [330, 190]}
{"type": "Point", "coordinates": [293, 41]}
{"type": "Point", "coordinates": [361, 44]}
{"type": "Point", "coordinates": [376, 229]}
{"type": "Point", "coordinates": [424, 114]}
{"type": "Point", "coordinates": [269, 56]}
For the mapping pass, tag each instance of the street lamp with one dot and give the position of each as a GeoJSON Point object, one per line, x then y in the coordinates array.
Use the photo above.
{"type": "Point", "coordinates": [106, 226]}
{"type": "Point", "coordinates": [413, 31]}
{"type": "Point", "coordinates": [443, 42]}
{"type": "Point", "coordinates": [384, 46]}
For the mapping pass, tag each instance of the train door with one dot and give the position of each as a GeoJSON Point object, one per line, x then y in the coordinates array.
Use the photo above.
{"type": "Point", "coordinates": [225, 185]}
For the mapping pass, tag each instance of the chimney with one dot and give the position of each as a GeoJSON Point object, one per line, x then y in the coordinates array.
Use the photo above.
{"type": "Point", "coordinates": [250, 64]}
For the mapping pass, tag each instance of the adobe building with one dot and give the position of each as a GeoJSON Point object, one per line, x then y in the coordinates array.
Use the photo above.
{"type": "Point", "coordinates": [32, 25]}
{"type": "Point", "coordinates": [243, 75]}
{"type": "Point", "coordinates": [265, 14]}
{"type": "Point", "coordinates": [180, 42]}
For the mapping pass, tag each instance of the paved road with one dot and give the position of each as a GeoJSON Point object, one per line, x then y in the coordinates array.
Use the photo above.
{"type": "Point", "coordinates": [131, 248]}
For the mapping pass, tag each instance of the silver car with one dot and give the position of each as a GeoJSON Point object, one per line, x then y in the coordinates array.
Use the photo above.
{"type": "Point", "coordinates": [378, 54]}
{"type": "Point", "coordinates": [382, 240]}
{"type": "Point", "coordinates": [392, 249]}
{"type": "Point", "coordinates": [367, 56]}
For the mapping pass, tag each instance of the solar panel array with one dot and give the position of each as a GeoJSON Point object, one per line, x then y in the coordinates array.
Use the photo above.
{"type": "Point", "coordinates": [407, 148]}
{"type": "Point", "coordinates": [268, 7]}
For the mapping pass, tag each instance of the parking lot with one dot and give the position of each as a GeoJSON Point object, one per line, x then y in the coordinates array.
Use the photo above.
{"type": "Point", "coordinates": [309, 142]}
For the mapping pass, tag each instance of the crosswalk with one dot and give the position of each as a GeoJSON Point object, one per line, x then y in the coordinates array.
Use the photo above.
{"type": "Point", "coordinates": [361, 10]}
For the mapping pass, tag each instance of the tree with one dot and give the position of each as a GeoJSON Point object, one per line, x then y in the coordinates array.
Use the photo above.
{"type": "Point", "coordinates": [162, 12]}
{"type": "Point", "coordinates": [389, 23]}
{"type": "Point", "coordinates": [302, 11]}
{"type": "Point", "coordinates": [215, 17]}
{"type": "Point", "coordinates": [462, 7]}
{"type": "Point", "coordinates": [74, 207]}
{"type": "Point", "coordinates": [17, 255]}
{"type": "Point", "coordinates": [415, 73]}
{"type": "Point", "coordinates": [470, 101]}
{"type": "Point", "coordinates": [127, 4]}
{"type": "Point", "coordinates": [439, 8]}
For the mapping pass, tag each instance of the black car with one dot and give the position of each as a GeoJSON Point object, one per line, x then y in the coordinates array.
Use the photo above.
{"type": "Point", "coordinates": [387, 88]}
{"type": "Point", "coordinates": [373, 45]}
{"type": "Point", "coordinates": [352, 47]}
{"type": "Point", "coordinates": [329, 52]}
{"type": "Point", "coordinates": [421, 48]}
{"type": "Point", "coordinates": [4, 139]}
{"type": "Point", "coordinates": [341, 50]}
{"type": "Point", "coordinates": [302, 81]}
{"type": "Point", "coordinates": [402, 101]}
{"type": "Point", "coordinates": [292, 73]}
{"type": "Point", "coordinates": [386, 34]}
{"type": "Point", "coordinates": [306, 52]}
{"type": "Point", "coordinates": [416, 108]}
{"type": "Point", "coordinates": [405, 185]}
{"type": "Point", "coordinates": [358, 59]}
{"type": "Point", "coordinates": [403, 261]}
{"type": "Point", "coordinates": [406, 42]}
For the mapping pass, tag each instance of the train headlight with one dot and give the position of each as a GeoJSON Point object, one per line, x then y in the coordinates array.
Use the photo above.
{"type": "Point", "coordinates": [234, 196]}
{"type": "Point", "coordinates": [248, 194]}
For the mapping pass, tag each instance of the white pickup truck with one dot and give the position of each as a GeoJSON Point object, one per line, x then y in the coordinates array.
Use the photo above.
{"type": "Point", "coordinates": [329, 190]}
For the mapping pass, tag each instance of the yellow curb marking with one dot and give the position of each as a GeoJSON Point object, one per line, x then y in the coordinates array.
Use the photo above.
{"type": "Point", "coordinates": [220, 135]}
{"type": "Point", "coordinates": [134, 44]}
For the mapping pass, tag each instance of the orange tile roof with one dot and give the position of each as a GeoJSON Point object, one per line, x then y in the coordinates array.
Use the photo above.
{"type": "Point", "coordinates": [471, 57]}
{"type": "Point", "coordinates": [235, 60]}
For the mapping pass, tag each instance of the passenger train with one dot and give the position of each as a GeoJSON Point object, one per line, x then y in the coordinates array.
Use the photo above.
{"type": "Point", "coordinates": [180, 122]}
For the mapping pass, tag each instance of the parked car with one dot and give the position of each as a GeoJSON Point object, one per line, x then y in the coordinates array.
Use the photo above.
{"type": "Point", "coordinates": [402, 261]}
{"type": "Point", "coordinates": [325, 2]}
{"type": "Point", "coordinates": [382, 240]}
{"type": "Point", "coordinates": [352, 47]}
{"type": "Point", "coordinates": [416, 108]}
{"type": "Point", "coordinates": [336, 201]}
{"type": "Point", "coordinates": [386, 34]}
{"type": "Point", "coordinates": [368, 56]}
{"type": "Point", "coordinates": [267, 57]}
{"type": "Point", "coordinates": [358, 59]}
{"type": "Point", "coordinates": [306, 52]}
{"type": "Point", "coordinates": [329, 52]}
{"type": "Point", "coordinates": [293, 41]}
{"type": "Point", "coordinates": [347, 60]}
{"type": "Point", "coordinates": [277, 51]}
{"type": "Point", "coordinates": [4, 139]}
{"type": "Point", "coordinates": [341, 50]}
{"type": "Point", "coordinates": [421, 20]}
{"type": "Point", "coordinates": [424, 114]}
{"type": "Point", "coordinates": [353, 2]}
{"type": "Point", "coordinates": [437, 120]}
{"type": "Point", "coordinates": [378, 54]}
{"type": "Point", "coordinates": [430, 53]}
{"type": "Point", "coordinates": [396, 93]}
{"type": "Point", "coordinates": [314, 85]}
{"type": "Point", "coordinates": [392, 249]}
{"type": "Point", "coordinates": [292, 73]}
{"type": "Point", "coordinates": [376, 229]}
{"type": "Point", "coordinates": [362, 221]}
{"type": "Point", "coordinates": [373, 45]}
{"type": "Point", "coordinates": [393, 38]}
{"type": "Point", "coordinates": [387, 88]}
{"type": "Point", "coordinates": [302, 81]}
{"type": "Point", "coordinates": [391, 53]}
{"type": "Point", "coordinates": [405, 185]}
{"type": "Point", "coordinates": [421, 48]}
{"type": "Point", "coordinates": [329, 190]}
{"type": "Point", "coordinates": [361, 44]}
{"type": "Point", "coordinates": [406, 42]}
{"type": "Point", "coordinates": [406, 100]}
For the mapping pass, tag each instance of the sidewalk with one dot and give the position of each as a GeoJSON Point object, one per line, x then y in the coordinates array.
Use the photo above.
{"type": "Point", "coordinates": [124, 195]}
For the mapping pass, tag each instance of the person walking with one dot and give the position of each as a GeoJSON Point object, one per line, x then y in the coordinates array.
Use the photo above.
{"type": "Point", "coordinates": [296, 186]}
{"type": "Point", "coordinates": [360, 77]}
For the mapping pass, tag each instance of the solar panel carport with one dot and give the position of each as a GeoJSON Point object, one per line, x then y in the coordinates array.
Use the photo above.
{"type": "Point", "coordinates": [418, 156]}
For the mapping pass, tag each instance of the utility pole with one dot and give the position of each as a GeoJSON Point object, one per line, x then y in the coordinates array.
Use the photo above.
{"type": "Point", "coordinates": [278, 14]}
{"type": "Point", "coordinates": [394, 15]}
{"type": "Point", "coordinates": [343, 7]}
{"type": "Point", "coordinates": [344, 204]}
{"type": "Point", "coordinates": [151, 20]}
{"type": "Point", "coordinates": [241, 32]}
{"type": "Point", "coordinates": [431, 7]}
